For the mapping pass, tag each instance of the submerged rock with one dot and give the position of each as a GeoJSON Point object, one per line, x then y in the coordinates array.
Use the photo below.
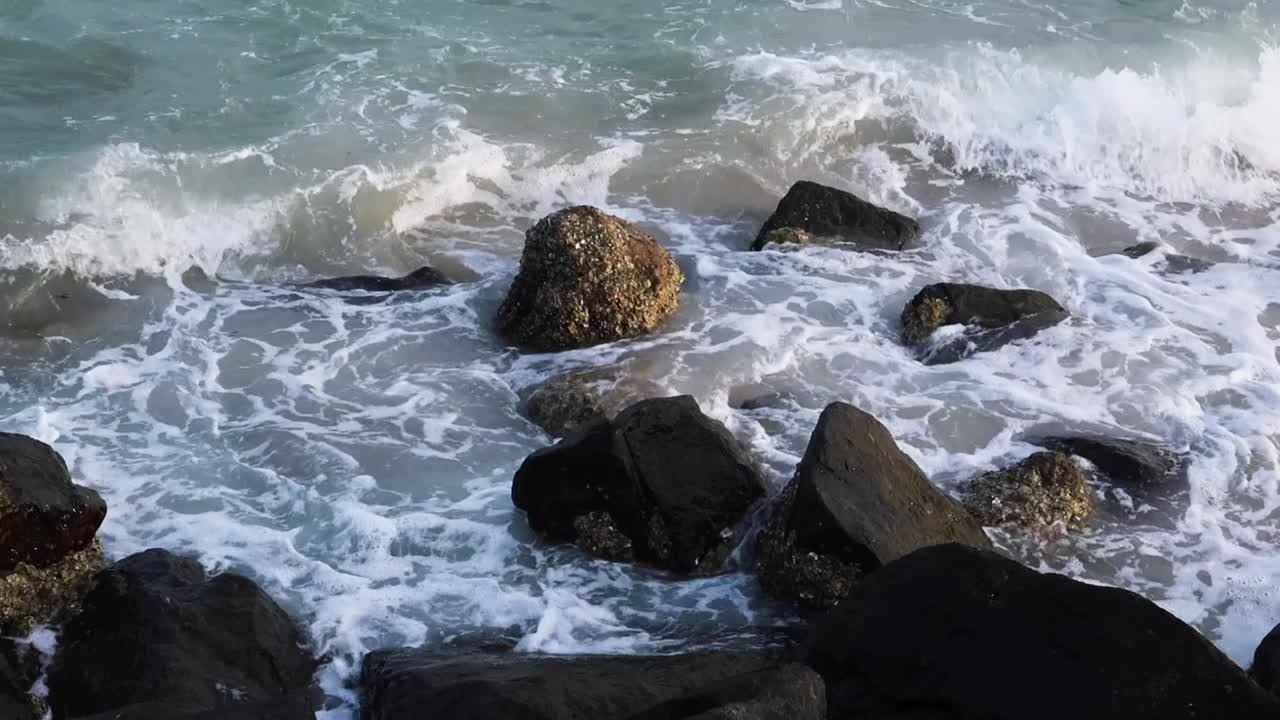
{"type": "Point", "coordinates": [422, 278]}
{"type": "Point", "coordinates": [668, 478]}
{"type": "Point", "coordinates": [574, 399]}
{"type": "Point", "coordinates": [48, 526]}
{"type": "Point", "coordinates": [956, 633]}
{"type": "Point", "coordinates": [857, 502]}
{"type": "Point", "coordinates": [1173, 262]}
{"type": "Point", "coordinates": [1043, 490]}
{"type": "Point", "coordinates": [586, 278]}
{"type": "Point", "coordinates": [992, 318]}
{"type": "Point", "coordinates": [399, 684]}
{"type": "Point", "coordinates": [1132, 463]}
{"type": "Point", "coordinates": [1265, 669]}
{"type": "Point", "coordinates": [156, 632]}
{"type": "Point", "coordinates": [810, 211]}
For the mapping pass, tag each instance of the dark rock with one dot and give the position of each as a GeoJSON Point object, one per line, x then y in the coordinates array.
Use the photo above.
{"type": "Point", "coordinates": [599, 535]}
{"type": "Point", "coordinates": [400, 684]}
{"type": "Point", "coordinates": [1043, 490]}
{"type": "Point", "coordinates": [669, 478]}
{"type": "Point", "coordinates": [1266, 662]}
{"type": "Point", "coordinates": [44, 517]}
{"type": "Point", "coordinates": [1173, 262]}
{"type": "Point", "coordinates": [825, 212]}
{"type": "Point", "coordinates": [155, 630]}
{"type": "Point", "coordinates": [958, 633]}
{"type": "Point", "coordinates": [993, 319]}
{"type": "Point", "coordinates": [789, 692]}
{"type": "Point", "coordinates": [573, 399]}
{"type": "Point", "coordinates": [420, 279]}
{"type": "Point", "coordinates": [1133, 463]}
{"type": "Point", "coordinates": [587, 278]}
{"type": "Point", "coordinates": [281, 709]}
{"type": "Point", "coordinates": [857, 503]}
{"type": "Point", "coordinates": [19, 669]}
{"type": "Point", "coordinates": [31, 596]}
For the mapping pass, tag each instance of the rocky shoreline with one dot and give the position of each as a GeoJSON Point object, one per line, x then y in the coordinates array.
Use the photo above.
{"type": "Point", "coordinates": [913, 614]}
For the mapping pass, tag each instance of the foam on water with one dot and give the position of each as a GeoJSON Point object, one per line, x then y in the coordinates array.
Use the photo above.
{"type": "Point", "coordinates": [356, 457]}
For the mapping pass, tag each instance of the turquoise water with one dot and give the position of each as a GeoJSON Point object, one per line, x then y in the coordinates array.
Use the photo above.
{"type": "Point", "coordinates": [167, 168]}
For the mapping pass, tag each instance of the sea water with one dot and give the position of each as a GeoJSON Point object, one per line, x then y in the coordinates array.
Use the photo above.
{"type": "Point", "coordinates": [168, 170]}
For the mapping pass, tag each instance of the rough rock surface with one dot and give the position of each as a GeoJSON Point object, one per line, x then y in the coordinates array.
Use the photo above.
{"type": "Point", "coordinates": [420, 279]}
{"type": "Point", "coordinates": [958, 633]}
{"type": "Point", "coordinates": [1043, 490]}
{"type": "Point", "coordinates": [156, 630]}
{"type": "Point", "coordinates": [571, 400]}
{"type": "Point", "coordinates": [398, 684]}
{"type": "Point", "coordinates": [857, 502]}
{"type": "Point", "coordinates": [587, 278]}
{"type": "Point", "coordinates": [31, 596]}
{"type": "Point", "coordinates": [818, 211]}
{"type": "Point", "coordinates": [668, 478]}
{"type": "Point", "coordinates": [993, 319]}
{"type": "Point", "coordinates": [43, 515]}
{"type": "Point", "coordinates": [1266, 662]}
{"type": "Point", "coordinates": [1133, 463]}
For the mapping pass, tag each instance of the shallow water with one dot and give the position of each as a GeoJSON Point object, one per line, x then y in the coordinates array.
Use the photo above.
{"type": "Point", "coordinates": [166, 170]}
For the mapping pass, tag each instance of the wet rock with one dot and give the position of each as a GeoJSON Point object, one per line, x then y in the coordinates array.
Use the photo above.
{"type": "Point", "coordinates": [282, 709]}
{"type": "Point", "coordinates": [1043, 490]}
{"type": "Point", "coordinates": [790, 236]}
{"type": "Point", "coordinates": [789, 692]}
{"type": "Point", "coordinates": [19, 669]}
{"type": "Point", "coordinates": [599, 535]}
{"type": "Point", "coordinates": [398, 684]}
{"type": "Point", "coordinates": [1133, 463]}
{"type": "Point", "coordinates": [47, 534]}
{"type": "Point", "coordinates": [956, 633]}
{"type": "Point", "coordinates": [43, 515]}
{"type": "Point", "coordinates": [1266, 662]}
{"type": "Point", "coordinates": [156, 631]}
{"type": "Point", "coordinates": [420, 279]}
{"type": "Point", "coordinates": [671, 479]}
{"type": "Point", "coordinates": [1173, 262]}
{"type": "Point", "coordinates": [809, 211]}
{"type": "Point", "coordinates": [857, 502]}
{"type": "Point", "coordinates": [588, 278]}
{"type": "Point", "coordinates": [992, 318]}
{"type": "Point", "coordinates": [573, 399]}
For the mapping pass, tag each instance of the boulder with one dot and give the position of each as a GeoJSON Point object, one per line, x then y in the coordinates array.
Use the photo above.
{"type": "Point", "coordinates": [1044, 490]}
{"type": "Point", "coordinates": [809, 211]}
{"type": "Point", "coordinates": [44, 517]}
{"type": "Point", "coordinates": [573, 399]}
{"type": "Point", "coordinates": [1266, 662]}
{"type": "Point", "coordinates": [399, 684]}
{"type": "Point", "coordinates": [856, 502]}
{"type": "Point", "coordinates": [420, 279]}
{"type": "Point", "coordinates": [1173, 262]}
{"type": "Point", "coordinates": [1134, 464]}
{"type": "Point", "coordinates": [19, 668]}
{"type": "Point", "coordinates": [991, 318]}
{"type": "Point", "coordinates": [586, 278]}
{"type": "Point", "coordinates": [48, 528]}
{"type": "Point", "coordinates": [663, 475]}
{"type": "Point", "coordinates": [957, 633]}
{"type": "Point", "coordinates": [157, 632]}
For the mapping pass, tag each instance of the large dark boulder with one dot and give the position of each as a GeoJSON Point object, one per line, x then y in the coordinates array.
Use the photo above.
{"type": "Point", "coordinates": [587, 277]}
{"type": "Point", "coordinates": [403, 684]}
{"type": "Point", "coordinates": [810, 212]}
{"type": "Point", "coordinates": [958, 633]}
{"type": "Point", "coordinates": [43, 515]}
{"type": "Point", "coordinates": [48, 527]}
{"type": "Point", "coordinates": [1266, 662]}
{"type": "Point", "coordinates": [856, 502]}
{"type": "Point", "coordinates": [662, 475]}
{"type": "Point", "coordinates": [1135, 464]}
{"type": "Point", "coordinates": [19, 668]}
{"type": "Point", "coordinates": [420, 279]}
{"type": "Point", "coordinates": [992, 318]}
{"type": "Point", "coordinates": [156, 631]}
{"type": "Point", "coordinates": [1046, 489]}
